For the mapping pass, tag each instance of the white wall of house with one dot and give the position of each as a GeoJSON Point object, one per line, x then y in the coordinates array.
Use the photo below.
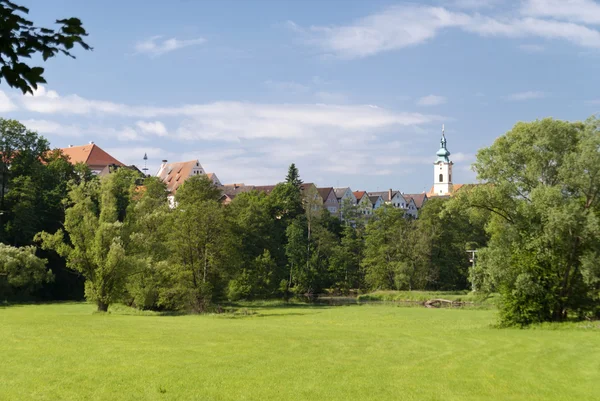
{"type": "Point", "coordinates": [378, 203]}
{"type": "Point", "coordinates": [365, 206]}
{"type": "Point", "coordinates": [411, 209]}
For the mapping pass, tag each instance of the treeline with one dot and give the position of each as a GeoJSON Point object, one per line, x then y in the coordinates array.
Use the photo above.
{"type": "Point", "coordinates": [535, 224]}
{"type": "Point", "coordinates": [119, 234]}
{"type": "Point", "coordinates": [131, 247]}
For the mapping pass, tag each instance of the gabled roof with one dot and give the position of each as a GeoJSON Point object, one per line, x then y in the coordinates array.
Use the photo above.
{"type": "Point", "coordinates": [174, 174]}
{"type": "Point", "coordinates": [232, 190]}
{"type": "Point", "coordinates": [265, 188]}
{"type": "Point", "coordinates": [213, 177]}
{"type": "Point", "coordinates": [324, 192]}
{"type": "Point", "coordinates": [358, 195]}
{"type": "Point", "coordinates": [91, 154]}
{"type": "Point", "coordinates": [419, 199]}
{"type": "Point", "coordinates": [340, 192]}
{"type": "Point", "coordinates": [374, 198]}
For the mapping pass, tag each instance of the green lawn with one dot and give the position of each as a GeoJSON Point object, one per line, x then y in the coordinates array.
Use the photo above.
{"type": "Point", "coordinates": [360, 352]}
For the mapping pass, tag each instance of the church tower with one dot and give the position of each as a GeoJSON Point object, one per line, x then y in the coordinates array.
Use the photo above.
{"type": "Point", "coordinates": [442, 170]}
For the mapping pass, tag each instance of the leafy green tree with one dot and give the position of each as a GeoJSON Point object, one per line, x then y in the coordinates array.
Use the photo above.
{"type": "Point", "coordinates": [92, 239]}
{"type": "Point", "coordinates": [21, 153]}
{"type": "Point", "coordinates": [148, 223]}
{"type": "Point", "coordinates": [203, 252]}
{"type": "Point", "coordinates": [285, 203]}
{"type": "Point", "coordinates": [345, 262]}
{"type": "Point", "coordinates": [450, 228]}
{"type": "Point", "coordinates": [197, 188]}
{"type": "Point", "coordinates": [543, 185]}
{"type": "Point", "coordinates": [21, 40]}
{"type": "Point", "coordinates": [260, 246]}
{"type": "Point", "coordinates": [21, 272]}
{"type": "Point", "coordinates": [394, 256]}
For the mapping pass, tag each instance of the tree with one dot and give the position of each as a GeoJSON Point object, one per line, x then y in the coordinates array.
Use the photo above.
{"type": "Point", "coordinates": [543, 195]}
{"type": "Point", "coordinates": [203, 250]}
{"type": "Point", "coordinates": [92, 239]}
{"type": "Point", "coordinates": [148, 223]}
{"type": "Point", "coordinates": [450, 228]}
{"type": "Point", "coordinates": [21, 271]}
{"type": "Point", "coordinates": [197, 188]}
{"type": "Point", "coordinates": [21, 153]}
{"type": "Point", "coordinates": [345, 262]}
{"type": "Point", "coordinates": [21, 40]}
{"type": "Point", "coordinates": [394, 255]}
{"type": "Point", "coordinates": [293, 177]}
{"type": "Point", "coordinates": [260, 242]}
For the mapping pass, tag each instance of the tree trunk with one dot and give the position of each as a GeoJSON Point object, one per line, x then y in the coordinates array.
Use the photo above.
{"type": "Point", "coordinates": [102, 306]}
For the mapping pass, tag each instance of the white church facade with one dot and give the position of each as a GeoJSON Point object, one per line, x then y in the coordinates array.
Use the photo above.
{"type": "Point", "coordinates": [442, 171]}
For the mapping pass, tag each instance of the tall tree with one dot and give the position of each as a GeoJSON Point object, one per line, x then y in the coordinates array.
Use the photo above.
{"type": "Point", "coordinates": [544, 196]}
{"type": "Point", "coordinates": [20, 40]}
{"type": "Point", "coordinates": [92, 239]}
{"type": "Point", "coordinates": [147, 225]}
{"type": "Point", "coordinates": [293, 176]}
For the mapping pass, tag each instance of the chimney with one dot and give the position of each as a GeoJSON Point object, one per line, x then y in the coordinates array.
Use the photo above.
{"type": "Point", "coordinates": [70, 146]}
{"type": "Point", "coordinates": [390, 195]}
{"type": "Point", "coordinates": [91, 142]}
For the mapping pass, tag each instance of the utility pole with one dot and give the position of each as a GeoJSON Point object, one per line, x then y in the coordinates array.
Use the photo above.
{"type": "Point", "coordinates": [472, 256]}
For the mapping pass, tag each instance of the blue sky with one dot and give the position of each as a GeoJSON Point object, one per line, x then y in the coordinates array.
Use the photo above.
{"type": "Point", "coordinates": [353, 92]}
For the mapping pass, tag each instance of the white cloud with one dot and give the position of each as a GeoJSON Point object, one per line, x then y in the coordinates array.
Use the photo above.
{"type": "Point", "coordinates": [431, 100]}
{"type": "Point", "coordinates": [403, 26]}
{"type": "Point", "coordinates": [247, 142]}
{"type": "Point", "coordinates": [289, 87]}
{"type": "Point", "coordinates": [585, 11]}
{"type": "Point", "coordinates": [6, 104]}
{"type": "Point", "coordinates": [157, 45]}
{"type": "Point", "coordinates": [152, 127]}
{"type": "Point", "coordinates": [395, 28]}
{"type": "Point", "coordinates": [529, 95]}
{"type": "Point", "coordinates": [46, 127]}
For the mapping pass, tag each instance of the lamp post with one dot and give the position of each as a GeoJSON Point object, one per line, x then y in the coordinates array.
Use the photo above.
{"type": "Point", "coordinates": [472, 255]}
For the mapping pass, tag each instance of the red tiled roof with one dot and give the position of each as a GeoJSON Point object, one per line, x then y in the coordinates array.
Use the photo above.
{"type": "Point", "coordinates": [175, 174]}
{"type": "Point", "coordinates": [359, 195]}
{"type": "Point", "coordinates": [91, 154]}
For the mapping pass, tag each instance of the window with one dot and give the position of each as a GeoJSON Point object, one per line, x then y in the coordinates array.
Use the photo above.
{"type": "Point", "coordinates": [450, 177]}
{"type": "Point", "coordinates": [441, 177]}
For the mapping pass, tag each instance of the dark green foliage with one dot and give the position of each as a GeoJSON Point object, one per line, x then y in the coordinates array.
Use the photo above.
{"type": "Point", "coordinates": [450, 228]}
{"type": "Point", "coordinates": [293, 176]}
{"type": "Point", "coordinates": [20, 39]}
{"type": "Point", "coordinates": [544, 182]}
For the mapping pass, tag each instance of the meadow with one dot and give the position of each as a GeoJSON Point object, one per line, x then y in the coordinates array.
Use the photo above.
{"type": "Point", "coordinates": [291, 352]}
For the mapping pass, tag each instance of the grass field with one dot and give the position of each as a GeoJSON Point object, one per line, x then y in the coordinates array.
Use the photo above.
{"type": "Point", "coordinates": [361, 352]}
